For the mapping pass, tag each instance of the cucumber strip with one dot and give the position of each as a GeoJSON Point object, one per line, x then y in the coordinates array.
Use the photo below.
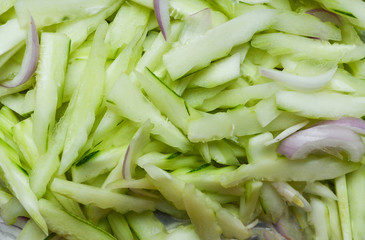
{"type": "Point", "coordinates": [333, 218]}
{"type": "Point", "coordinates": [18, 182]}
{"type": "Point", "coordinates": [249, 201]}
{"type": "Point", "coordinates": [117, 173]}
{"type": "Point", "coordinates": [319, 189]}
{"type": "Point", "coordinates": [222, 153]}
{"type": "Point", "coordinates": [239, 96]}
{"type": "Point", "coordinates": [82, 116]}
{"type": "Point", "coordinates": [231, 124]}
{"type": "Point", "coordinates": [305, 48]}
{"type": "Point", "coordinates": [182, 233]}
{"type": "Point", "coordinates": [164, 161]}
{"type": "Point", "coordinates": [352, 10]}
{"type": "Point", "coordinates": [196, 96]}
{"type": "Point", "coordinates": [120, 226]}
{"type": "Point", "coordinates": [225, 6]}
{"type": "Point", "coordinates": [142, 183]}
{"type": "Point", "coordinates": [75, 69]}
{"type": "Point", "coordinates": [358, 69]}
{"type": "Point", "coordinates": [280, 4]}
{"type": "Point", "coordinates": [48, 163]}
{"type": "Point", "coordinates": [318, 105]}
{"type": "Point", "coordinates": [170, 187]}
{"type": "Point", "coordinates": [11, 210]}
{"type": "Point", "coordinates": [165, 99]}
{"type": "Point", "coordinates": [78, 30]}
{"type": "Point", "coordinates": [9, 70]}
{"type": "Point", "coordinates": [140, 139]}
{"type": "Point", "coordinates": [266, 111]}
{"type": "Point", "coordinates": [125, 91]}
{"type": "Point", "coordinates": [319, 218]}
{"type": "Point", "coordinates": [21, 103]}
{"type": "Point", "coordinates": [153, 57]}
{"type": "Point", "coordinates": [146, 226]}
{"type": "Point", "coordinates": [101, 198]}
{"type": "Point", "coordinates": [6, 5]}
{"type": "Point", "coordinates": [54, 49]}
{"type": "Point", "coordinates": [201, 216]}
{"type": "Point", "coordinates": [46, 13]}
{"type": "Point", "coordinates": [106, 126]}
{"type": "Point", "coordinates": [306, 25]}
{"type": "Point", "coordinates": [95, 214]}
{"type": "Point", "coordinates": [285, 170]}
{"type": "Point", "coordinates": [196, 24]}
{"type": "Point", "coordinates": [179, 60]}
{"type": "Point", "coordinates": [23, 134]}
{"type": "Point", "coordinates": [257, 151]}
{"type": "Point", "coordinates": [207, 178]}
{"type": "Point", "coordinates": [272, 204]}
{"type": "Point", "coordinates": [69, 226]}
{"type": "Point", "coordinates": [7, 55]}
{"type": "Point", "coordinates": [69, 205]}
{"type": "Point", "coordinates": [96, 164]}
{"type": "Point", "coordinates": [218, 73]}
{"type": "Point", "coordinates": [182, 9]}
{"type": "Point", "coordinates": [355, 181]}
{"type": "Point", "coordinates": [124, 62]}
{"type": "Point", "coordinates": [129, 20]}
{"type": "Point", "coordinates": [12, 34]}
{"type": "Point", "coordinates": [118, 137]}
{"type": "Point", "coordinates": [31, 232]}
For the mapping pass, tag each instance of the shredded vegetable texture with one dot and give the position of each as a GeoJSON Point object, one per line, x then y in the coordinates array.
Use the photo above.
{"type": "Point", "coordinates": [175, 119]}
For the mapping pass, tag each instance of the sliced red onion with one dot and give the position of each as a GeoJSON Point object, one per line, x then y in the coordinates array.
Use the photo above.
{"type": "Point", "coordinates": [325, 16]}
{"type": "Point", "coordinates": [139, 140]}
{"type": "Point", "coordinates": [162, 13]}
{"type": "Point", "coordinates": [30, 60]}
{"type": "Point", "coordinates": [355, 124]}
{"type": "Point", "coordinates": [329, 139]}
{"type": "Point", "coordinates": [301, 83]}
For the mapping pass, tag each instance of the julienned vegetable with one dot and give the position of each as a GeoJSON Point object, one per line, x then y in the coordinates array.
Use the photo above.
{"type": "Point", "coordinates": [175, 119]}
{"type": "Point", "coordinates": [30, 59]}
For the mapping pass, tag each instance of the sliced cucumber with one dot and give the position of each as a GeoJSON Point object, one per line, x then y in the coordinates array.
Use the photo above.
{"type": "Point", "coordinates": [180, 60]}
{"type": "Point", "coordinates": [31, 232]}
{"type": "Point", "coordinates": [51, 72]}
{"type": "Point", "coordinates": [218, 73]}
{"type": "Point", "coordinates": [101, 198]}
{"type": "Point", "coordinates": [69, 226]}
{"type": "Point", "coordinates": [83, 107]}
{"type": "Point", "coordinates": [165, 99]}
{"type": "Point", "coordinates": [129, 19]}
{"type": "Point", "coordinates": [329, 105]}
{"type": "Point", "coordinates": [47, 12]}
{"type": "Point", "coordinates": [120, 226]}
{"type": "Point", "coordinates": [306, 25]}
{"type": "Point", "coordinates": [305, 48]}
{"type": "Point", "coordinates": [18, 182]}
{"type": "Point", "coordinates": [125, 91]}
{"type": "Point", "coordinates": [12, 34]}
{"type": "Point", "coordinates": [287, 170]}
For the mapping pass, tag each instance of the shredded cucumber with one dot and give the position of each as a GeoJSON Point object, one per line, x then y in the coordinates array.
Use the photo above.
{"type": "Point", "coordinates": [122, 134]}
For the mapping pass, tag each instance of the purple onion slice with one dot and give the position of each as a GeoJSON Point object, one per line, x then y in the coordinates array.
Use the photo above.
{"type": "Point", "coordinates": [162, 13]}
{"type": "Point", "coordinates": [30, 60]}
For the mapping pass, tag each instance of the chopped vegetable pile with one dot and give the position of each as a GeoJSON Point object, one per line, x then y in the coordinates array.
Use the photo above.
{"type": "Point", "coordinates": [182, 119]}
